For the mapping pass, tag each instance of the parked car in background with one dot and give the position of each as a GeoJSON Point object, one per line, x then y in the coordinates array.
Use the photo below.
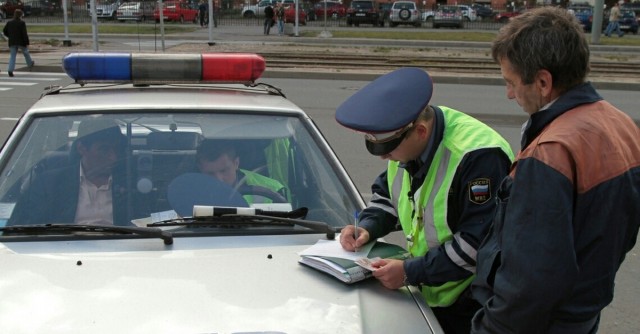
{"type": "Point", "coordinates": [364, 11]}
{"type": "Point", "coordinates": [634, 6]}
{"type": "Point", "coordinates": [9, 6]}
{"type": "Point", "coordinates": [41, 8]}
{"type": "Point", "coordinates": [257, 10]}
{"type": "Point", "coordinates": [448, 16]}
{"type": "Point", "coordinates": [177, 11]}
{"type": "Point", "coordinates": [105, 9]}
{"type": "Point", "coordinates": [627, 21]}
{"type": "Point", "coordinates": [504, 17]}
{"type": "Point", "coordinates": [404, 12]}
{"type": "Point", "coordinates": [483, 11]}
{"type": "Point", "coordinates": [290, 14]}
{"type": "Point", "coordinates": [182, 252]}
{"type": "Point", "coordinates": [468, 13]}
{"type": "Point", "coordinates": [584, 15]}
{"type": "Point", "coordinates": [135, 11]}
{"type": "Point", "coordinates": [334, 9]}
{"type": "Point", "coordinates": [427, 16]}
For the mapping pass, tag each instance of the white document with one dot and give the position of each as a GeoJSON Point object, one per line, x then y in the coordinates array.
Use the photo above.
{"type": "Point", "coordinates": [332, 248]}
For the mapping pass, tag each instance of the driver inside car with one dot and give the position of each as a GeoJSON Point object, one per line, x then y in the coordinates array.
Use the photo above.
{"type": "Point", "coordinates": [219, 159]}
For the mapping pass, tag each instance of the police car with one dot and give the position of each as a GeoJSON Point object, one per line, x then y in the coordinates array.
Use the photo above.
{"type": "Point", "coordinates": [160, 246]}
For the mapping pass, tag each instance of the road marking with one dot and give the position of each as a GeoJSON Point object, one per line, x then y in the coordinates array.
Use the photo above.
{"type": "Point", "coordinates": [2, 89]}
{"type": "Point", "coordinates": [9, 119]}
{"type": "Point", "coordinates": [33, 79]}
{"type": "Point", "coordinates": [15, 83]}
{"type": "Point", "coordinates": [37, 74]}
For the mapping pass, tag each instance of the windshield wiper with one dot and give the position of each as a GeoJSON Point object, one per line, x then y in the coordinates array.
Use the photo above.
{"type": "Point", "coordinates": [71, 228]}
{"type": "Point", "coordinates": [235, 220]}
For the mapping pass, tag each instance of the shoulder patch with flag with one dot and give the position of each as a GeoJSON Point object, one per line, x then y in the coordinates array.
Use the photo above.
{"type": "Point", "coordinates": [480, 191]}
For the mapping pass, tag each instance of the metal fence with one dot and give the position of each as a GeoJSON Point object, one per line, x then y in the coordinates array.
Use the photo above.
{"type": "Point", "coordinates": [79, 14]}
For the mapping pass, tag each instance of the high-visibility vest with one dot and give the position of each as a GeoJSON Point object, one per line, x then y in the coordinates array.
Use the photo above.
{"type": "Point", "coordinates": [254, 179]}
{"type": "Point", "coordinates": [428, 227]}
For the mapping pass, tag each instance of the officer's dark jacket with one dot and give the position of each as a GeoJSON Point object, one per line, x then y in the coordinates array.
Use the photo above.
{"type": "Point", "coordinates": [567, 214]}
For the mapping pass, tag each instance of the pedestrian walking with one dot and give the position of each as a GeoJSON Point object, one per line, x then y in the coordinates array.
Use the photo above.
{"type": "Point", "coordinates": [614, 16]}
{"type": "Point", "coordinates": [280, 18]}
{"type": "Point", "coordinates": [268, 19]}
{"type": "Point", "coordinates": [203, 13]}
{"type": "Point", "coordinates": [16, 32]}
{"type": "Point", "coordinates": [215, 10]}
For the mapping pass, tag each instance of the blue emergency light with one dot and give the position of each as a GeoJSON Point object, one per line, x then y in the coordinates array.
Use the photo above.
{"type": "Point", "coordinates": [85, 67]}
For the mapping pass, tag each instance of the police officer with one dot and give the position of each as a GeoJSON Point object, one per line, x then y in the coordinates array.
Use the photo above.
{"type": "Point", "coordinates": [438, 187]}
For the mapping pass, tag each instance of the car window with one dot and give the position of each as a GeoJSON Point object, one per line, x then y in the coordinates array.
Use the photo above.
{"type": "Point", "coordinates": [130, 6]}
{"type": "Point", "coordinates": [448, 10]}
{"type": "Point", "coordinates": [159, 148]}
{"type": "Point", "coordinates": [404, 5]}
{"type": "Point", "coordinates": [362, 5]}
{"type": "Point", "coordinates": [627, 14]}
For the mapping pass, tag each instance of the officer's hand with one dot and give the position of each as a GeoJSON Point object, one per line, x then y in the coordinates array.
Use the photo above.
{"type": "Point", "coordinates": [390, 273]}
{"type": "Point", "coordinates": [348, 241]}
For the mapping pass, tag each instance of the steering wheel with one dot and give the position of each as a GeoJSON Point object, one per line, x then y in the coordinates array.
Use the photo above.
{"type": "Point", "coordinates": [191, 189]}
{"type": "Point", "coordinates": [275, 197]}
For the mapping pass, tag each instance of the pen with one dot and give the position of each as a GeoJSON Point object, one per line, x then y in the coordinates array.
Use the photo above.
{"type": "Point", "coordinates": [355, 224]}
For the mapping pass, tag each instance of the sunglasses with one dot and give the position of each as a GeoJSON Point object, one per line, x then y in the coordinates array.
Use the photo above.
{"type": "Point", "coordinates": [382, 144]}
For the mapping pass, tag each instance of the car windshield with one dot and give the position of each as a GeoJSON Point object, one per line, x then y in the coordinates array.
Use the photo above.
{"type": "Point", "coordinates": [362, 5]}
{"type": "Point", "coordinates": [131, 5]}
{"type": "Point", "coordinates": [627, 14]}
{"type": "Point", "coordinates": [448, 10]}
{"type": "Point", "coordinates": [157, 168]}
{"type": "Point", "coordinates": [582, 11]}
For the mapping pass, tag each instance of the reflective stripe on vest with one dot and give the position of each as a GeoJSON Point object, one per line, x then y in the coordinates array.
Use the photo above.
{"type": "Point", "coordinates": [254, 179]}
{"type": "Point", "coordinates": [428, 228]}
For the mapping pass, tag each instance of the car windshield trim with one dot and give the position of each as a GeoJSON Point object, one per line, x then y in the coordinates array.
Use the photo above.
{"type": "Point", "coordinates": [240, 220]}
{"type": "Point", "coordinates": [29, 230]}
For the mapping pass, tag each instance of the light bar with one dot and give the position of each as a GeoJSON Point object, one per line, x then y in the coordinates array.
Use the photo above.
{"type": "Point", "coordinates": [163, 68]}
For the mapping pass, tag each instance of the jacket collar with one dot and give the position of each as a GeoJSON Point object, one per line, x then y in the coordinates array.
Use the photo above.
{"type": "Point", "coordinates": [418, 168]}
{"type": "Point", "coordinates": [581, 94]}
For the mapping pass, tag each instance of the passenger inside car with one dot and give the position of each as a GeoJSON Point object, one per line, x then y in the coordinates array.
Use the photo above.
{"type": "Point", "coordinates": [89, 189]}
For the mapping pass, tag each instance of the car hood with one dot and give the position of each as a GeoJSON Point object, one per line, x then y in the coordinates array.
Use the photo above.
{"type": "Point", "coordinates": [197, 285]}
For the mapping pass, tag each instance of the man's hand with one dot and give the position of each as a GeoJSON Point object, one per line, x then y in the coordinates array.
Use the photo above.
{"type": "Point", "coordinates": [348, 241]}
{"type": "Point", "coordinates": [390, 273]}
